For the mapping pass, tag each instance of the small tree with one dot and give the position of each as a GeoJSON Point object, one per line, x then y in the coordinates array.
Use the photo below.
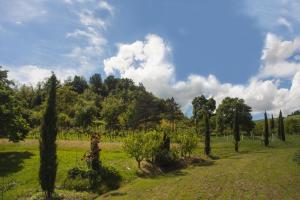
{"type": "Point", "coordinates": [187, 142]}
{"type": "Point", "coordinates": [266, 130]}
{"type": "Point", "coordinates": [48, 157]}
{"type": "Point", "coordinates": [134, 146]}
{"type": "Point", "coordinates": [92, 157]}
{"type": "Point", "coordinates": [236, 131]}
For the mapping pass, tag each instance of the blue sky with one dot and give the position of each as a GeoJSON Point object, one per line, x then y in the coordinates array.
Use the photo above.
{"type": "Point", "coordinates": [248, 48]}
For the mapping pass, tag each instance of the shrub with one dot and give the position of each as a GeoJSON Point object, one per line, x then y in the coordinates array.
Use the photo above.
{"type": "Point", "coordinates": [187, 143]}
{"type": "Point", "coordinates": [99, 181]}
{"type": "Point", "coordinates": [149, 147]}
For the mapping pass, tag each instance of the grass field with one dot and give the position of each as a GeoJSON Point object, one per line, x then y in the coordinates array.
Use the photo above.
{"type": "Point", "coordinates": [254, 173]}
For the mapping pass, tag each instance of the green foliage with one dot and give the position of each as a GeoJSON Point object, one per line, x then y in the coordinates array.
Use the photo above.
{"type": "Point", "coordinates": [78, 84]}
{"type": "Point", "coordinates": [226, 112]}
{"type": "Point", "coordinates": [134, 146]}
{"type": "Point", "coordinates": [150, 147]}
{"type": "Point", "coordinates": [236, 130]}
{"type": "Point", "coordinates": [266, 130]}
{"type": "Point", "coordinates": [48, 162]}
{"type": "Point", "coordinates": [292, 125]}
{"type": "Point", "coordinates": [99, 181]}
{"type": "Point", "coordinates": [187, 142]}
{"type": "Point", "coordinates": [281, 131]}
{"type": "Point", "coordinates": [112, 107]}
{"type": "Point", "coordinates": [203, 108]}
{"type": "Point", "coordinates": [96, 84]}
{"type": "Point", "coordinates": [13, 124]}
{"type": "Point", "coordinates": [92, 157]}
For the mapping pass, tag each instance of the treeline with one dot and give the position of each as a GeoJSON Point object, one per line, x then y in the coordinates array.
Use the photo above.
{"type": "Point", "coordinates": [116, 106]}
{"type": "Point", "coordinates": [112, 105]}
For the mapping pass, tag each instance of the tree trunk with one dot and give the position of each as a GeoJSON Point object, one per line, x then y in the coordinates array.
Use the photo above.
{"type": "Point", "coordinates": [236, 146]}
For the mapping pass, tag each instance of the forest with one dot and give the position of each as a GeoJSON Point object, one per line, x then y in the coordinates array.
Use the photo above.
{"type": "Point", "coordinates": [92, 123]}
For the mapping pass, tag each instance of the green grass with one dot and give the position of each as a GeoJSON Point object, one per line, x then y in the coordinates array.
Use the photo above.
{"type": "Point", "coordinates": [254, 173]}
{"type": "Point", "coordinates": [19, 163]}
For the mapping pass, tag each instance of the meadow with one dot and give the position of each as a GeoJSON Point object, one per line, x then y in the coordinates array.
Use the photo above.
{"type": "Point", "coordinates": [256, 172]}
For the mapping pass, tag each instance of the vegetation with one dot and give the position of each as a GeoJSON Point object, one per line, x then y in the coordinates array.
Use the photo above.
{"type": "Point", "coordinates": [13, 124]}
{"type": "Point", "coordinates": [140, 134]}
{"type": "Point", "coordinates": [48, 157]}
{"type": "Point", "coordinates": [204, 108]}
{"type": "Point", "coordinates": [266, 132]}
{"type": "Point", "coordinates": [236, 130]}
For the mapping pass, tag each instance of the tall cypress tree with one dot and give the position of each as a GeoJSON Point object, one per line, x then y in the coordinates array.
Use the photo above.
{"type": "Point", "coordinates": [266, 131]}
{"type": "Point", "coordinates": [279, 129]}
{"type": "Point", "coordinates": [272, 126]}
{"type": "Point", "coordinates": [236, 131]}
{"type": "Point", "coordinates": [207, 148]}
{"type": "Point", "coordinates": [282, 129]}
{"type": "Point", "coordinates": [48, 163]}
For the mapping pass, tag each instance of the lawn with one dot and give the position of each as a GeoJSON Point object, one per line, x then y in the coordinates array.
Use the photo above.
{"type": "Point", "coordinates": [254, 173]}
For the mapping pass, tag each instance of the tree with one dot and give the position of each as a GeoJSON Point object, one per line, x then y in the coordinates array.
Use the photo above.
{"type": "Point", "coordinates": [92, 158]}
{"type": "Point", "coordinates": [236, 130]}
{"type": "Point", "coordinates": [134, 146]}
{"type": "Point", "coordinates": [281, 131]}
{"type": "Point", "coordinates": [48, 157]}
{"type": "Point", "coordinates": [203, 108]}
{"type": "Point", "coordinates": [112, 107]}
{"type": "Point", "coordinates": [171, 111]}
{"type": "Point", "coordinates": [96, 84]}
{"type": "Point", "coordinates": [110, 84]}
{"type": "Point", "coordinates": [279, 126]}
{"type": "Point", "coordinates": [272, 126]}
{"type": "Point", "coordinates": [266, 130]}
{"type": "Point", "coordinates": [13, 124]}
{"type": "Point", "coordinates": [226, 112]}
{"type": "Point", "coordinates": [78, 84]}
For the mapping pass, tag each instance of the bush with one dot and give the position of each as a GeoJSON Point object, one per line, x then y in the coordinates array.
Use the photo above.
{"type": "Point", "coordinates": [99, 181]}
{"type": "Point", "coordinates": [149, 147]}
{"type": "Point", "coordinates": [187, 142]}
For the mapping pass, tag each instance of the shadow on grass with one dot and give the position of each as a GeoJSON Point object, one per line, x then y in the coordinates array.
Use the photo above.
{"type": "Point", "coordinates": [11, 162]}
{"type": "Point", "coordinates": [175, 169]}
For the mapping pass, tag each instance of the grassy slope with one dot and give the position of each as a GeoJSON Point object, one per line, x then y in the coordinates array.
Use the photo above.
{"type": "Point", "coordinates": [254, 173]}
{"type": "Point", "coordinates": [20, 163]}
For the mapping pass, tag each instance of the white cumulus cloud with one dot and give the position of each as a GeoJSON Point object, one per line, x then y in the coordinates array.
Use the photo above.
{"type": "Point", "coordinates": [149, 62]}
{"type": "Point", "coordinates": [280, 57]}
{"type": "Point", "coordinates": [32, 74]}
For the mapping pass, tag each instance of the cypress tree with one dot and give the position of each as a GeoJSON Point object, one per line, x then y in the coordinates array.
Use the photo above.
{"type": "Point", "coordinates": [266, 131]}
{"type": "Point", "coordinates": [279, 129]}
{"type": "Point", "coordinates": [207, 136]}
{"type": "Point", "coordinates": [48, 162]}
{"type": "Point", "coordinates": [236, 131]}
{"type": "Point", "coordinates": [272, 126]}
{"type": "Point", "coordinates": [282, 129]}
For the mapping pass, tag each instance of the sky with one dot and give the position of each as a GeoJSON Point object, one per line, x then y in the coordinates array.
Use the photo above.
{"type": "Point", "coordinates": [248, 49]}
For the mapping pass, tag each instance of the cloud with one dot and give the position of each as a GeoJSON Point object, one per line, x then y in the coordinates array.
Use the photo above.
{"type": "Point", "coordinates": [149, 62]}
{"type": "Point", "coordinates": [280, 57]}
{"type": "Point", "coordinates": [32, 74]}
{"type": "Point", "coordinates": [20, 11]}
{"type": "Point", "coordinates": [88, 18]}
{"type": "Point", "coordinates": [271, 14]}
{"type": "Point", "coordinates": [285, 23]}
{"type": "Point", "coordinates": [106, 6]}
{"type": "Point", "coordinates": [89, 35]}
